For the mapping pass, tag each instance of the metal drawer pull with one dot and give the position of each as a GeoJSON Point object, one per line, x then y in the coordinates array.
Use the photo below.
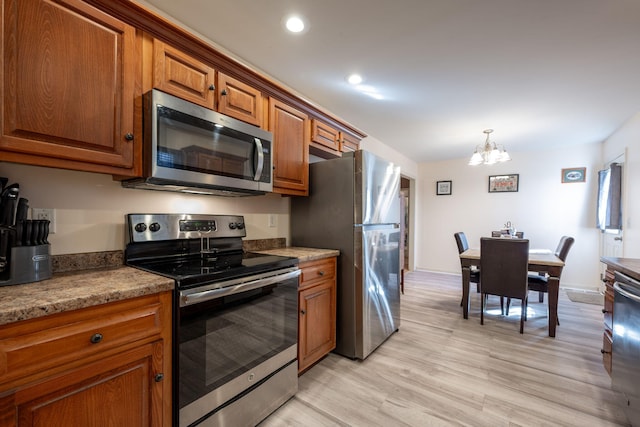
{"type": "Point", "coordinates": [159, 377]}
{"type": "Point", "coordinates": [96, 338]}
{"type": "Point", "coordinates": [320, 273]}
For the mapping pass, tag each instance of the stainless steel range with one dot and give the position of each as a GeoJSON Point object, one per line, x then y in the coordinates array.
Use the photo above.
{"type": "Point", "coordinates": [235, 316]}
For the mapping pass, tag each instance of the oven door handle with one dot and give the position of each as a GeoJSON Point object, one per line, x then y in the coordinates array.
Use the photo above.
{"type": "Point", "coordinates": [619, 287]}
{"type": "Point", "coordinates": [198, 297]}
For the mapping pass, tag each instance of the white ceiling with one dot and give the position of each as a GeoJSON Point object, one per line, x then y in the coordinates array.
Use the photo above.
{"type": "Point", "coordinates": [542, 73]}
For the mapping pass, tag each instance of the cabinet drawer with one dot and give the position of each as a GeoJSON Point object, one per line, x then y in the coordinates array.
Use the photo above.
{"type": "Point", "coordinates": [36, 345]}
{"type": "Point", "coordinates": [312, 271]}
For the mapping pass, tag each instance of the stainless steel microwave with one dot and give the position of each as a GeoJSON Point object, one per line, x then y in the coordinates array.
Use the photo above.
{"type": "Point", "coordinates": [193, 149]}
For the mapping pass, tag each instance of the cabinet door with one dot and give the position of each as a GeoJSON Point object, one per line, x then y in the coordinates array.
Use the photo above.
{"type": "Point", "coordinates": [290, 129]}
{"type": "Point", "coordinates": [317, 323]}
{"type": "Point", "coordinates": [239, 100]}
{"type": "Point", "coordinates": [348, 142]}
{"type": "Point", "coordinates": [324, 136]}
{"type": "Point", "coordinates": [124, 389]}
{"type": "Point", "coordinates": [183, 76]}
{"type": "Point", "coordinates": [68, 87]}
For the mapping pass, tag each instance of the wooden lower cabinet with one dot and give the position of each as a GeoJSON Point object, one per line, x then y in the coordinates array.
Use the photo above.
{"type": "Point", "coordinates": [108, 365]}
{"type": "Point", "coordinates": [317, 311]}
{"type": "Point", "coordinates": [117, 391]}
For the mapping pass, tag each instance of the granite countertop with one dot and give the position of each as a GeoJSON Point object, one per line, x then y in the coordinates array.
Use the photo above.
{"type": "Point", "coordinates": [70, 291]}
{"type": "Point", "coordinates": [628, 266]}
{"type": "Point", "coordinates": [303, 254]}
{"type": "Point", "coordinates": [79, 282]}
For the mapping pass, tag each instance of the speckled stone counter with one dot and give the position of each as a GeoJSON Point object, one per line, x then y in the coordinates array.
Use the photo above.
{"type": "Point", "coordinates": [303, 254]}
{"type": "Point", "coordinates": [71, 291]}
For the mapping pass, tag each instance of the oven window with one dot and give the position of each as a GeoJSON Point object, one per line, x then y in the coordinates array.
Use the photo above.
{"type": "Point", "coordinates": [189, 143]}
{"type": "Point", "coordinates": [226, 337]}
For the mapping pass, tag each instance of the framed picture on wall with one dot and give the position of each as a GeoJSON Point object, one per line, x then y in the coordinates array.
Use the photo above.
{"type": "Point", "coordinates": [504, 183]}
{"type": "Point", "coordinates": [443, 188]}
{"type": "Point", "coordinates": [574, 175]}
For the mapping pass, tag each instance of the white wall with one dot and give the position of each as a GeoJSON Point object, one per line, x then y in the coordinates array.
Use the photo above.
{"type": "Point", "coordinates": [543, 208]}
{"type": "Point", "coordinates": [90, 208]}
{"type": "Point", "coordinates": [408, 167]}
{"type": "Point", "coordinates": [628, 137]}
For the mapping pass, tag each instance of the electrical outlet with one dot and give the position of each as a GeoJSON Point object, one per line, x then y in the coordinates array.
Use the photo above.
{"type": "Point", "coordinates": [273, 220]}
{"type": "Point", "coordinates": [48, 214]}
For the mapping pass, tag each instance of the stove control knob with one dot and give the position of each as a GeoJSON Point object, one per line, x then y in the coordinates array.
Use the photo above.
{"type": "Point", "coordinates": [232, 225]}
{"type": "Point", "coordinates": [240, 225]}
{"type": "Point", "coordinates": [154, 227]}
{"type": "Point", "coordinates": [140, 227]}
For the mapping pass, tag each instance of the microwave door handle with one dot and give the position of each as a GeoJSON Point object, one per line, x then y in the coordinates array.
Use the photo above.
{"type": "Point", "coordinates": [260, 159]}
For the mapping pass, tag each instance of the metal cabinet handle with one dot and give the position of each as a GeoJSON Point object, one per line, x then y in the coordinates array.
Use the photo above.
{"type": "Point", "coordinates": [212, 87]}
{"type": "Point", "coordinates": [603, 351]}
{"type": "Point", "coordinates": [320, 273]}
{"type": "Point", "coordinates": [96, 338]}
{"type": "Point", "coordinates": [159, 377]}
{"type": "Point", "coordinates": [604, 310]}
{"type": "Point", "coordinates": [260, 159]}
{"type": "Point", "coordinates": [129, 136]}
{"type": "Point", "coordinates": [619, 239]}
{"type": "Point", "coordinates": [224, 92]}
{"type": "Point", "coordinates": [303, 312]}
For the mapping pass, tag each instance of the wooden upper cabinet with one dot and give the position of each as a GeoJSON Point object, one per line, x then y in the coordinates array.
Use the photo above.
{"type": "Point", "coordinates": [239, 100]}
{"type": "Point", "coordinates": [329, 142]}
{"type": "Point", "coordinates": [348, 142]}
{"type": "Point", "coordinates": [183, 76]}
{"type": "Point", "coordinates": [324, 135]}
{"type": "Point", "coordinates": [69, 85]}
{"type": "Point", "coordinates": [188, 78]}
{"type": "Point", "coordinates": [290, 128]}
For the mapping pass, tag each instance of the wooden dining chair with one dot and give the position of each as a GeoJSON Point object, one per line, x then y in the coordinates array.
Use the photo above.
{"type": "Point", "coordinates": [539, 282]}
{"type": "Point", "coordinates": [503, 271]}
{"type": "Point", "coordinates": [463, 245]}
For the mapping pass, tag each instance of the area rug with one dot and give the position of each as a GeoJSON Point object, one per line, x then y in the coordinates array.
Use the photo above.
{"type": "Point", "coordinates": [586, 297]}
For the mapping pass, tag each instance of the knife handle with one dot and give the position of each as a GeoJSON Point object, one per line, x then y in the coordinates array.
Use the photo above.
{"type": "Point", "coordinates": [19, 233]}
{"type": "Point", "coordinates": [45, 236]}
{"type": "Point", "coordinates": [28, 229]}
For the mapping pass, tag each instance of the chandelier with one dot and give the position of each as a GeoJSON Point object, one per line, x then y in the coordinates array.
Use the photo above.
{"type": "Point", "coordinates": [489, 153]}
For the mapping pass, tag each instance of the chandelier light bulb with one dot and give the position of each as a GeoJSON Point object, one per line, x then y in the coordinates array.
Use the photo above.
{"type": "Point", "coordinates": [489, 153]}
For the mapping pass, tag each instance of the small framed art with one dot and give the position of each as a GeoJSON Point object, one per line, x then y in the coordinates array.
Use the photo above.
{"type": "Point", "coordinates": [574, 175]}
{"type": "Point", "coordinates": [443, 188]}
{"type": "Point", "coordinates": [504, 183]}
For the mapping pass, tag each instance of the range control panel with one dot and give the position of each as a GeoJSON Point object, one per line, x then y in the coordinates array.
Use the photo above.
{"type": "Point", "coordinates": [156, 227]}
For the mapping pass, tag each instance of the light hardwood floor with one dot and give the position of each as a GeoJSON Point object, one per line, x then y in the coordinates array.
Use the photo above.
{"type": "Point", "coordinates": [442, 370]}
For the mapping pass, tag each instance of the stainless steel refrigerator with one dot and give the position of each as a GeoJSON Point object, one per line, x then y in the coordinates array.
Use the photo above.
{"type": "Point", "coordinates": [354, 206]}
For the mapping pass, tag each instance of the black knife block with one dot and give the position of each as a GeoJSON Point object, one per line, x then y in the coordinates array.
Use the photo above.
{"type": "Point", "coordinates": [28, 264]}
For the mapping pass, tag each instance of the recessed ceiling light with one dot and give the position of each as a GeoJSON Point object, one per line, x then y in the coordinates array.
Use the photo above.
{"type": "Point", "coordinates": [354, 79]}
{"type": "Point", "coordinates": [295, 24]}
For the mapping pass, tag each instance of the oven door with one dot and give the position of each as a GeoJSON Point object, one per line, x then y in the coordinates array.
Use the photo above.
{"type": "Point", "coordinates": [234, 339]}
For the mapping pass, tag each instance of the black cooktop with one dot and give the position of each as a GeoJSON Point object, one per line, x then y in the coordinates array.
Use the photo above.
{"type": "Point", "coordinates": [195, 270]}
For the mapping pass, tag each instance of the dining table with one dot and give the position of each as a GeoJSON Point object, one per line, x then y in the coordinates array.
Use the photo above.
{"type": "Point", "coordinates": [540, 260]}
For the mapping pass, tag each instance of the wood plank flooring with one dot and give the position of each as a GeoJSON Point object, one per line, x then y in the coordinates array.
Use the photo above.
{"type": "Point", "coordinates": [442, 370]}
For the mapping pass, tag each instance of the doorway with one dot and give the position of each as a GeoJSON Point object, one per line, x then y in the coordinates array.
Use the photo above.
{"type": "Point", "coordinates": [405, 193]}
